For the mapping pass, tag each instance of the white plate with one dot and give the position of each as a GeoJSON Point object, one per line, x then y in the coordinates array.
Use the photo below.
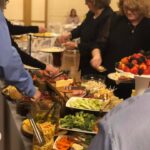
{"type": "Point", "coordinates": [116, 75]}
{"type": "Point", "coordinates": [57, 139]}
{"type": "Point", "coordinates": [121, 71]}
{"type": "Point", "coordinates": [30, 68]}
{"type": "Point", "coordinates": [52, 49]}
{"type": "Point", "coordinates": [77, 130]}
{"type": "Point", "coordinates": [46, 34]}
{"type": "Point", "coordinates": [73, 99]}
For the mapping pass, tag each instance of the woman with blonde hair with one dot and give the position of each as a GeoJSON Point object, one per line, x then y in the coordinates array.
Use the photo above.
{"type": "Point", "coordinates": [129, 32]}
{"type": "Point", "coordinates": [88, 32]}
{"type": "Point", "coordinates": [126, 127]}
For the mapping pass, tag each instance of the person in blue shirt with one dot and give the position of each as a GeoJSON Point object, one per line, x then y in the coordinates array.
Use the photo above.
{"type": "Point", "coordinates": [11, 67]}
{"type": "Point", "coordinates": [126, 127]}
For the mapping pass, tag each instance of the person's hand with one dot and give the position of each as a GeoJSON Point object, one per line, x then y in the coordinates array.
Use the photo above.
{"type": "Point", "coordinates": [37, 95]}
{"type": "Point", "coordinates": [51, 69]}
{"type": "Point", "coordinates": [42, 29]}
{"type": "Point", "coordinates": [70, 45]}
{"type": "Point", "coordinates": [64, 38]}
{"type": "Point", "coordinates": [96, 60]}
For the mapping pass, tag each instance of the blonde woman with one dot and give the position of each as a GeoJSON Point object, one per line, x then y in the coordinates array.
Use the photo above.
{"type": "Point", "coordinates": [126, 127]}
{"type": "Point", "coordinates": [129, 33]}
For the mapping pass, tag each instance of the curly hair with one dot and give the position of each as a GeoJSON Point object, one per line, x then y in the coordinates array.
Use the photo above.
{"type": "Point", "coordinates": [142, 6]}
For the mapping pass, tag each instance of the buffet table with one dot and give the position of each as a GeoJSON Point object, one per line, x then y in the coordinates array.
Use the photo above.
{"type": "Point", "coordinates": [90, 113]}
{"type": "Point", "coordinates": [2, 122]}
{"type": "Point", "coordinates": [12, 138]}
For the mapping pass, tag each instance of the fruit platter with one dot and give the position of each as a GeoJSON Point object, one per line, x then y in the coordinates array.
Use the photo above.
{"type": "Point", "coordinates": [138, 65]}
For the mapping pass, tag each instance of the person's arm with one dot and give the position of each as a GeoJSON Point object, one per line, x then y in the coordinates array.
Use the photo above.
{"type": "Point", "coordinates": [31, 61]}
{"type": "Point", "coordinates": [96, 60]}
{"type": "Point", "coordinates": [18, 29]}
{"type": "Point", "coordinates": [102, 141]}
{"type": "Point", "coordinates": [27, 59]}
{"type": "Point", "coordinates": [11, 67]}
{"type": "Point", "coordinates": [75, 33]}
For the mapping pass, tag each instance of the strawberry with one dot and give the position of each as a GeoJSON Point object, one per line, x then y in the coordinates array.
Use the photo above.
{"type": "Point", "coordinates": [124, 60]}
{"type": "Point", "coordinates": [137, 55]}
{"type": "Point", "coordinates": [143, 66]}
{"type": "Point", "coordinates": [126, 69]}
{"type": "Point", "coordinates": [146, 72]}
{"type": "Point", "coordinates": [148, 62]}
{"type": "Point", "coordinates": [122, 66]}
{"type": "Point", "coordinates": [134, 70]}
{"type": "Point", "coordinates": [134, 61]}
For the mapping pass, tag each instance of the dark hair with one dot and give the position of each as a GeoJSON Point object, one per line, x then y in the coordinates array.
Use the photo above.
{"type": "Point", "coordinates": [3, 3]}
{"type": "Point", "coordinates": [73, 10]}
{"type": "Point", "coordinates": [100, 3]}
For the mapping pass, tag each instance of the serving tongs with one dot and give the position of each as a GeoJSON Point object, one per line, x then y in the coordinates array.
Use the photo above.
{"type": "Point", "coordinates": [60, 73]}
{"type": "Point", "coordinates": [37, 132]}
{"type": "Point", "coordinates": [48, 112]}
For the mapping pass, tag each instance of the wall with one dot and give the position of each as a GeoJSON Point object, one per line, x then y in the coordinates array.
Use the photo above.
{"type": "Point", "coordinates": [12, 13]}
{"type": "Point", "coordinates": [57, 9]}
{"type": "Point", "coordinates": [114, 4]}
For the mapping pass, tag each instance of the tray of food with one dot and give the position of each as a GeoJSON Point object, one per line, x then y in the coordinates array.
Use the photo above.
{"type": "Point", "coordinates": [89, 104]}
{"type": "Point", "coordinates": [122, 77]}
{"type": "Point", "coordinates": [52, 49]}
{"type": "Point", "coordinates": [136, 64]}
{"type": "Point", "coordinates": [79, 122]}
{"type": "Point", "coordinates": [77, 141]}
{"type": "Point", "coordinates": [72, 141]}
{"type": "Point", "coordinates": [12, 93]}
{"type": "Point", "coordinates": [46, 34]}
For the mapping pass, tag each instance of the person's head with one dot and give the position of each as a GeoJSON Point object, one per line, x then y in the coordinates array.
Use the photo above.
{"type": "Point", "coordinates": [134, 9]}
{"type": "Point", "coordinates": [97, 4]}
{"type": "Point", "coordinates": [73, 13]}
{"type": "Point", "coordinates": [3, 4]}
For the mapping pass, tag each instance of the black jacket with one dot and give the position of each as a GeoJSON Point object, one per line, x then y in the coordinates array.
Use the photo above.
{"type": "Point", "coordinates": [89, 32]}
{"type": "Point", "coordinates": [17, 30]}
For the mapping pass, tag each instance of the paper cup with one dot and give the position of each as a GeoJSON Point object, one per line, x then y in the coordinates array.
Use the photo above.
{"type": "Point", "coordinates": [141, 83]}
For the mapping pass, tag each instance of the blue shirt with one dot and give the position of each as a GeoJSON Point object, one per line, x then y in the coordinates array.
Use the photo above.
{"type": "Point", "coordinates": [126, 127]}
{"type": "Point", "coordinates": [11, 67]}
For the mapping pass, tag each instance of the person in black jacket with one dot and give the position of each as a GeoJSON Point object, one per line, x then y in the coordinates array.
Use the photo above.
{"type": "Point", "coordinates": [129, 33]}
{"type": "Point", "coordinates": [88, 32]}
{"type": "Point", "coordinates": [27, 59]}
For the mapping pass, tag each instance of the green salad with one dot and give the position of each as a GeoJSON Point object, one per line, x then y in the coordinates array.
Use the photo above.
{"type": "Point", "coordinates": [89, 104]}
{"type": "Point", "coordinates": [80, 120]}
